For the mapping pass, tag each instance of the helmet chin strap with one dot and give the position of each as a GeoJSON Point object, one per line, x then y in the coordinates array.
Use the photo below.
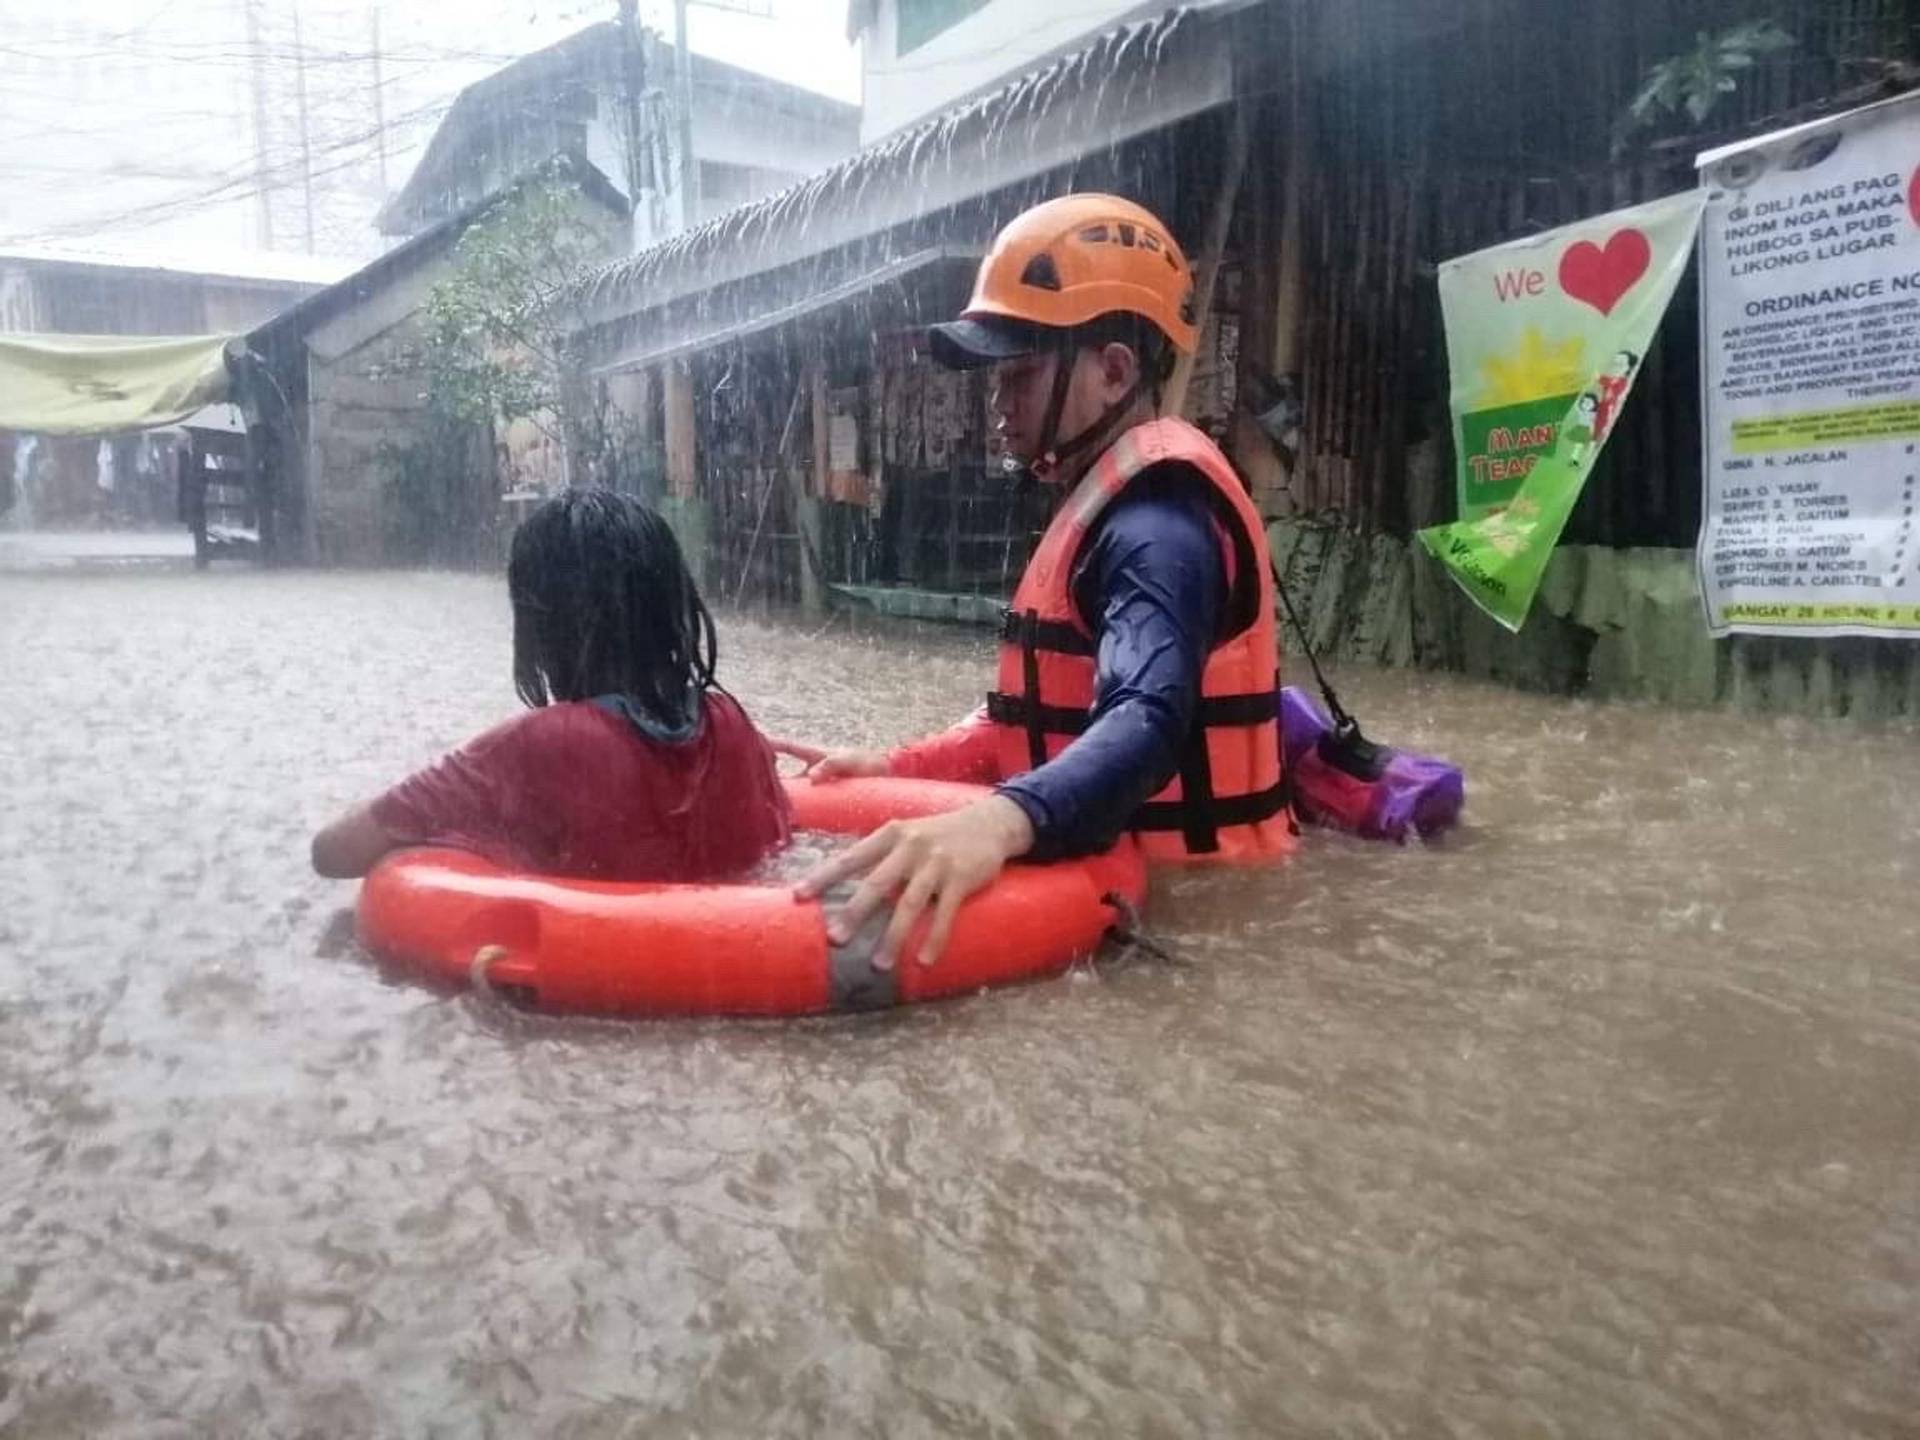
{"type": "Point", "coordinates": [1055, 452]}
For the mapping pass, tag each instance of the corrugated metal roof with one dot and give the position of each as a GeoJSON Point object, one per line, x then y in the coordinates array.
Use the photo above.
{"type": "Point", "coordinates": [271, 267]}
{"type": "Point", "coordinates": [532, 85]}
{"type": "Point", "coordinates": [665, 342]}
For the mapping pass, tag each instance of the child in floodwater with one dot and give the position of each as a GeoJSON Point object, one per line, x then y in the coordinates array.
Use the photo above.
{"type": "Point", "coordinates": [631, 762]}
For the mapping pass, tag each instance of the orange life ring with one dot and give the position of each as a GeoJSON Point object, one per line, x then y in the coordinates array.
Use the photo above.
{"type": "Point", "coordinates": [589, 947]}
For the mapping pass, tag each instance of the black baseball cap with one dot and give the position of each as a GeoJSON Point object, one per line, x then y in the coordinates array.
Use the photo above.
{"type": "Point", "coordinates": [976, 341]}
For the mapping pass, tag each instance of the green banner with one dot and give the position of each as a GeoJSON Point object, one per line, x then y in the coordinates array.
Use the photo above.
{"type": "Point", "coordinates": [1544, 339]}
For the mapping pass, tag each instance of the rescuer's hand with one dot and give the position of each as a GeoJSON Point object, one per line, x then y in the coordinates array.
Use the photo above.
{"type": "Point", "coordinates": [937, 861]}
{"type": "Point", "coordinates": [823, 764]}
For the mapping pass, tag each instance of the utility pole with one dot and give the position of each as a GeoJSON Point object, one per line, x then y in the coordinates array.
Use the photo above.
{"type": "Point", "coordinates": [306, 138]}
{"type": "Point", "coordinates": [379, 99]}
{"type": "Point", "coordinates": [258, 63]}
{"type": "Point", "coordinates": [689, 167]}
{"type": "Point", "coordinates": [633, 86]}
{"type": "Point", "coordinates": [683, 76]}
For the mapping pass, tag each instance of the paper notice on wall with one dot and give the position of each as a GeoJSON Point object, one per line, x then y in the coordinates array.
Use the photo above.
{"type": "Point", "coordinates": [843, 443]}
{"type": "Point", "coordinates": [1810, 342]}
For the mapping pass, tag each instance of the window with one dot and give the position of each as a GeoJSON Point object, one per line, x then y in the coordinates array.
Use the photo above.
{"type": "Point", "coordinates": [921, 20]}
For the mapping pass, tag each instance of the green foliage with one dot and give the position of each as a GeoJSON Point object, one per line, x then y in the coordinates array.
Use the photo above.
{"type": "Point", "coordinates": [493, 344]}
{"type": "Point", "coordinates": [491, 349]}
{"type": "Point", "coordinates": [438, 496]}
{"type": "Point", "coordinates": [1694, 82]}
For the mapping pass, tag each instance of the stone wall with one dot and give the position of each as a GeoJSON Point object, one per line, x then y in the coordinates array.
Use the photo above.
{"type": "Point", "coordinates": [1614, 624]}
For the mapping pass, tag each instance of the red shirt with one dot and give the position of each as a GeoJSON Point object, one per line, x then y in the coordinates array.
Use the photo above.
{"type": "Point", "coordinates": [576, 789]}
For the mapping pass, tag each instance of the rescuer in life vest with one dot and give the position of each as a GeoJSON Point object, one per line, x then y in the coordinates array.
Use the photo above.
{"type": "Point", "coordinates": [1138, 665]}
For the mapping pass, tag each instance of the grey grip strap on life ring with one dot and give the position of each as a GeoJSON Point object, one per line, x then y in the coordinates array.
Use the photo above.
{"type": "Point", "coordinates": [853, 983]}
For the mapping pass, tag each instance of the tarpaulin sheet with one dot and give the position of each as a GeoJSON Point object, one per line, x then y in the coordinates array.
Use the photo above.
{"type": "Point", "coordinates": [99, 384]}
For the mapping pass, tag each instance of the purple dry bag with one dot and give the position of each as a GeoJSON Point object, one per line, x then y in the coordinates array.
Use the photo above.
{"type": "Point", "coordinates": [1342, 779]}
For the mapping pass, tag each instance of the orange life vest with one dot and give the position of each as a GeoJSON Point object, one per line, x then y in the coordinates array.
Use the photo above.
{"type": "Point", "coordinates": [1229, 799]}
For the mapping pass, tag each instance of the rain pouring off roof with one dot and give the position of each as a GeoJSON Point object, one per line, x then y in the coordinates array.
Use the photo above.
{"type": "Point", "coordinates": [1136, 77]}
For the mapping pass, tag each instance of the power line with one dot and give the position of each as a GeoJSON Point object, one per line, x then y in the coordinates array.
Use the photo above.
{"type": "Point", "coordinates": [306, 139]}
{"type": "Point", "coordinates": [171, 120]}
{"type": "Point", "coordinates": [278, 162]}
{"type": "Point", "coordinates": [280, 176]}
{"type": "Point", "coordinates": [259, 125]}
{"type": "Point", "coordinates": [224, 52]}
{"type": "Point", "coordinates": [379, 104]}
{"type": "Point", "coordinates": [226, 188]}
{"type": "Point", "coordinates": [273, 166]}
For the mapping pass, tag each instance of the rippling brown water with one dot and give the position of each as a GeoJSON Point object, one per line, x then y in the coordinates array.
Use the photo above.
{"type": "Point", "coordinates": [1598, 1121]}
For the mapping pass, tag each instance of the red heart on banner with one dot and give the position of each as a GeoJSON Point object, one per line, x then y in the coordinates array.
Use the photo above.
{"type": "Point", "coordinates": [1599, 277]}
{"type": "Point", "coordinates": [1913, 195]}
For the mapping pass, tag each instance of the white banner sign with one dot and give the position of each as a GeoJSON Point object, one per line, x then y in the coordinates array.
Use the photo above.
{"type": "Point", "coordinates": [1810, 366]}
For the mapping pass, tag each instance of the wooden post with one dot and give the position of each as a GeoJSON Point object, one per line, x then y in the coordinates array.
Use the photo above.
{"type": "Point", "coordinates": [807, 497]}
{"type": "Point", "coordinates": [776, 475]}
{"type": "Point", "coordinates": [193, 499]}
{"type": "Point", "coordinates": [822, 438]}
{"type": "Point", "coordinates": [1274, 340]}
{"type": "Point", "coordinates": [682, 505]}
{"type": "Point", "coordinates": [953, 519]}
{"type": "Point", "coordinates": [1211, 246]}
{"type": "Point", "coordinates": [1290, 287]}
{"type": "Point", "coordinates": [682, 474]}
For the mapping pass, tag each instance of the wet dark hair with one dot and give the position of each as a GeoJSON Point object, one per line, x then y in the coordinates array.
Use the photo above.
{"type": "Point", "coordinates": [603, 604]}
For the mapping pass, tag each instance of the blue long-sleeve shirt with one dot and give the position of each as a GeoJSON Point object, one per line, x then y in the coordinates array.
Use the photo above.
{"type": "Point", "coordinates": [1151, 583]}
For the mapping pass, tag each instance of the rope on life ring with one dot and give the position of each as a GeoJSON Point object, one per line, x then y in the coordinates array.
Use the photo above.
{"type": "Point", "coordinates": [483, 960]}
{"type": "Point", "coordinates": [1129, 931]}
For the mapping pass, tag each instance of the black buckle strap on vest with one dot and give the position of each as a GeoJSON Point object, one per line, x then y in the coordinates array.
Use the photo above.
{"type": "Point", "coordinates": [1233, 810]}
{"type": "Point", "coordinates": [1200, 831]}
{"type": "Point", "coordinates": [1199, 815]}
{"type": "Point", "coordinates": [1227, 712]}
{"type": "Point", "coordinates": [1217, 712]}
{"type": "Point", "coordinates": [1030, 680]}
{"type": "Point", "coordinates": [1022, 714]}
{"type": "Point", "coordinates": [1057, 637]}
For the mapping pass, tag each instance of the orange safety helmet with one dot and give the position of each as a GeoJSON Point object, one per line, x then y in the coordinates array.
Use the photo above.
{"type": "Point", "coordinates": [1062, 264]}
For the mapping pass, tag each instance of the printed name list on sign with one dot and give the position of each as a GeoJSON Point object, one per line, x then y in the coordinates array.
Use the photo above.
{"type": "Point", "coordinates": [1810, 336]}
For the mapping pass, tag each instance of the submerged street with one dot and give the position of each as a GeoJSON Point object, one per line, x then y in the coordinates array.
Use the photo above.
{"type": "Point", "coordinates": [1595, 1119]}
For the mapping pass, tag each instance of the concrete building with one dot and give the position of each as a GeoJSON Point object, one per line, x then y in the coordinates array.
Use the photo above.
{"type": "Point", "coordinates": [609, 96]}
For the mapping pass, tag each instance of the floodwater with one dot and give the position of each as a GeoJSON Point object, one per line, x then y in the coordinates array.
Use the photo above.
{"type": "Point", "coordinates": [1598, 1120]}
